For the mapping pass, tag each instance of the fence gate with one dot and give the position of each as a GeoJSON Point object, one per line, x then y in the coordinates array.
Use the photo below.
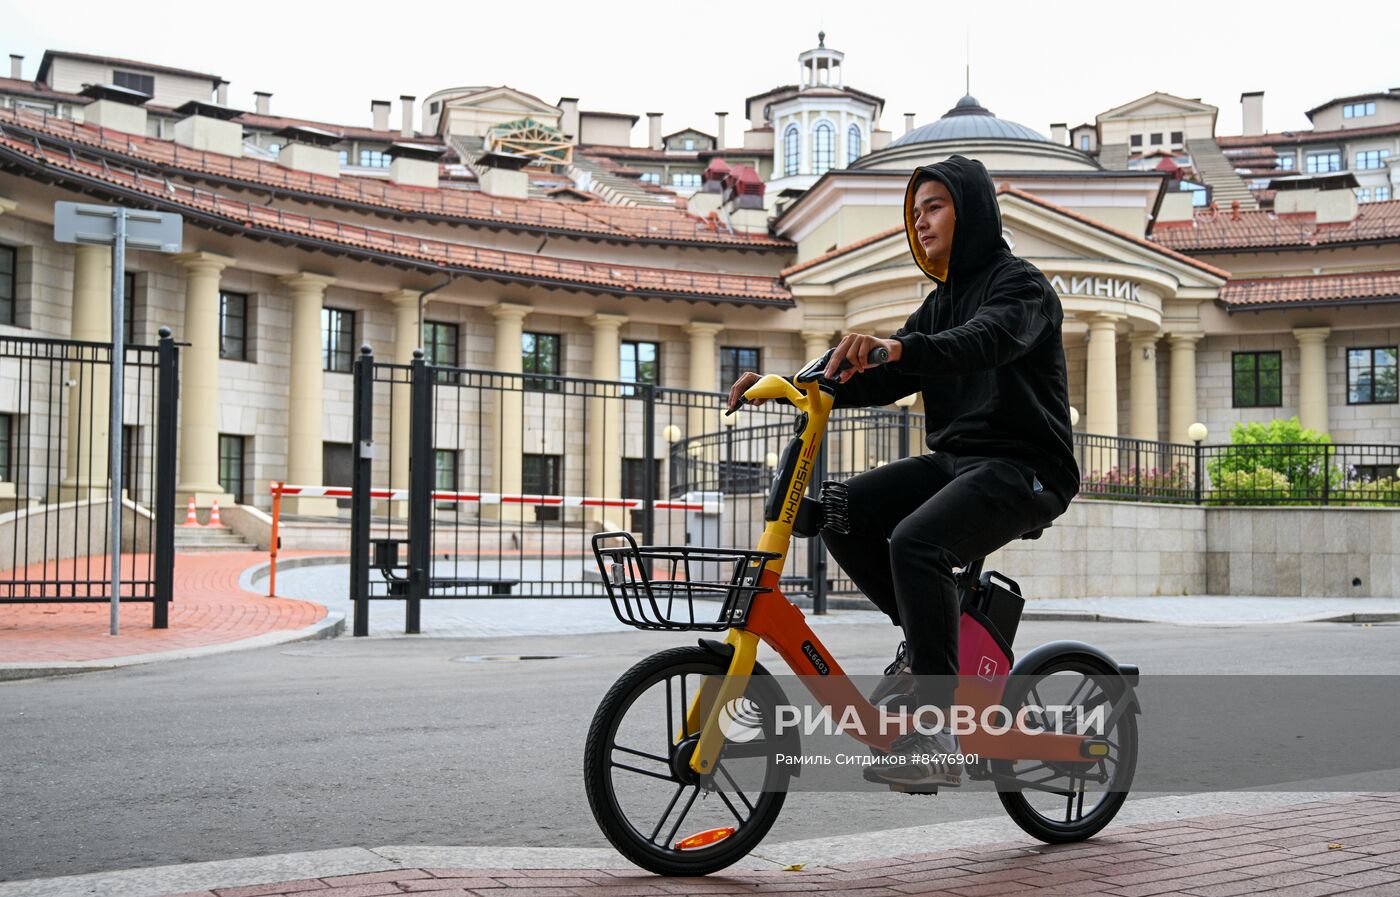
{"type": "Point", "coordinates": [55, 501]}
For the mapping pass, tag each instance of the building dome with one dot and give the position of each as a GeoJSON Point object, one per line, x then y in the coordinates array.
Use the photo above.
{"type": "Point", "coordinates": [969, 120]}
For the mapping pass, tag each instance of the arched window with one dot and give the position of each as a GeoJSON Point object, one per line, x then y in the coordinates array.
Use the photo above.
{"type": "Point", "coordinates": [792, 156]}
{"type": "Point", "coordinates": [823, 147]}
{"type": "Point", "coordinates": [852, 144]}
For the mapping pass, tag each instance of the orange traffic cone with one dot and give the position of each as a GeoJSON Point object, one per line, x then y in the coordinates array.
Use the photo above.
{"type": "Point", "coordinates": [190, 518]}
{"type": "Point", "coordinates": [214, 520]}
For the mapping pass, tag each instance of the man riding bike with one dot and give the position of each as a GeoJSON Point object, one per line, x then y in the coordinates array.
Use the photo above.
{"type": "Point", "coordinates": [985, 351]}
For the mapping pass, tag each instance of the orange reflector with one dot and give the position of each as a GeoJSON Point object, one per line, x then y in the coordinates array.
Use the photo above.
{"type": "Point", "coordinates": [704, 839]}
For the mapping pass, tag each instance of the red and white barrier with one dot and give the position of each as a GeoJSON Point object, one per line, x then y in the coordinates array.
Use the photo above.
{"type": "Point", "coordinates": [279, 490]}
{"type": "Point", "coordinates": [498, 498]}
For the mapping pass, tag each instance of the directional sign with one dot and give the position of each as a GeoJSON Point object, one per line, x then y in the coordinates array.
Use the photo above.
{"type": "Point", "coordinates": [75, 222]}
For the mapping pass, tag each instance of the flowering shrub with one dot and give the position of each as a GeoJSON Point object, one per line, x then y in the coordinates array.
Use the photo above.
{"type": "Point", "coordinates": [1132, 483]}
{"type": "Point", "coordinates": [1260, 486]}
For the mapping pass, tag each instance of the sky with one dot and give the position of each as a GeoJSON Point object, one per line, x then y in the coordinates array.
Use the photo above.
{"type": "Point", "coordinates": [1030, 62]}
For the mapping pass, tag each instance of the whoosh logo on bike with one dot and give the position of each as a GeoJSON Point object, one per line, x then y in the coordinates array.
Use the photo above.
{"type": "Point", "coordinates": [799, 486]}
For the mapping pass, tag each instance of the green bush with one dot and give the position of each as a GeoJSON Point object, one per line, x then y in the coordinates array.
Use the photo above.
{"type": "Point", "coordinates": [1282, 447]}
{"type": "Point", "coordinates": [1260, 486]}
{"type": "Point", "coordinates": [1375, 493]}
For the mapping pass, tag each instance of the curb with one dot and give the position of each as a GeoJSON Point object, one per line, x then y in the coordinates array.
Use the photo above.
{"type": "Point", "coordinates": [268, 871]}
{"type": "Point", "coordinates": [330, 626]}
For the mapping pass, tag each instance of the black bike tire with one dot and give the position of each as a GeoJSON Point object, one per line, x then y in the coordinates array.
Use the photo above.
{"type": "Point", "coordinates": [1015, 802]}
{"type": "Point", "coordinates": [597, 782]}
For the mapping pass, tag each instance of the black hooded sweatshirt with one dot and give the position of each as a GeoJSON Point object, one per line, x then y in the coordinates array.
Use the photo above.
{"type": "Point", "coordinates": [985, 347]}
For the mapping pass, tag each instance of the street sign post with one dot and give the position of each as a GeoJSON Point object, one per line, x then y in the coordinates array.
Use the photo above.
{"type": "Point", "coordinates": [119, 228]}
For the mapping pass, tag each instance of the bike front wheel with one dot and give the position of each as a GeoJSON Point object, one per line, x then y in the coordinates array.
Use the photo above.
{"type": "Point", "coordinates": [650, 805]}
{"type": "Point", "coordinates": [1065, 802]}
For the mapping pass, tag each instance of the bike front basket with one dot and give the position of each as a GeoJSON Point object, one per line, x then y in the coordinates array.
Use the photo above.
{"type": "Point", "coordinates": [678, 587]}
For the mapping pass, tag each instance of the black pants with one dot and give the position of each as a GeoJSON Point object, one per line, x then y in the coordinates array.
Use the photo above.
{"type": "Point", "coordinates": [913, 521]}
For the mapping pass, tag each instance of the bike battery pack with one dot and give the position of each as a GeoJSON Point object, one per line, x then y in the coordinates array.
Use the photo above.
{"type": "Point", "coordinates": [999, 599]}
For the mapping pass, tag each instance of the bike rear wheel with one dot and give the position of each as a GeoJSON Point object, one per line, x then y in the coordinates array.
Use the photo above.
{"type": "Point", "coordinates": [1052, 806]}
{"type": "Point", "coordinates": [640, 788]}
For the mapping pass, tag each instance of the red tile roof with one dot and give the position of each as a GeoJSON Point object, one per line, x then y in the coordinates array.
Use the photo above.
{"type": "Point", "coordinates": [1323, 289]}
{"type": "Point", "coordinates": [1217, 230]}
{"type": "Point", "coordinates": [1149, 244]}
{"type": "Point", "coordinates": [1293, 138]}
{"type": "Point", "coordinates": [213, 210]}
{"type": "Point", "coordinates": [50, 55]}
{"type": "Point", "coordinates": [600, 221]}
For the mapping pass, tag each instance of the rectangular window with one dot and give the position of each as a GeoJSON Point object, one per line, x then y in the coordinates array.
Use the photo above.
{"type": "Point", "coordinates": [128, 308]}
{"type": "Point", "coordinates": [1084, 142]}
{"type": "Point", "coordinates": [134, 81]}
{"type": "Point", "coordinates": [1358, 110]}
{"type": "Point", "coordinates": [1178, 138]}
{"type": "Point", "coordinates": [231, 468]}
{"type": "Point", "coordinates": [1371, 159]}
{"type": "Point", "coordinates": [338, 467]}
{"type": "Point", "coordinates": [9, 263]}
{"type": "Point", "coordinates": [539, 475]}
{"type": "Point", "coordinates": [344, 158]}
{"type": "Point", "coordinates": [685, 179]}
{"type": "Point", "coordinates": [440, 343]}
{"type": "Point", "coordinates": [539, 354]}
{"type": "Point", "coordinates": [1371, 376]}
{"type": "Point", "coordinates": [650, 177]}
{"type": "Point", "coordinates": [337, 339]}
{"type": "Point", "coordinates": [1285, 161]}
{"type": "Point", "coordinates": [373, 158]}
{"type": "Point", "coordinates": [1383, 193]}
{"type": "Point", "coordinates": [233, 326]}
{"type": "Point", "coordinates": [1258, 379]}
{"type": "Point", "coordinates": [1321, 163]}
{"type": "Point", "coordinates": [433, 107]}
{"type": "Point", "coordinates": [1363, 194]}
{"type": "Point", "coordinates": [7, 455]}
{"type": "Point", "coordinates": [735, 360]}
{"type": "Point", "coordinates": [445, 477]}
{"type": "Point", "coordinates": [641, 363]}
{"type": "Point", "coordinates": [1156, 138]}
{"type": "Point", "coordinates": [1135, 140]}
{"type": "Point", "coordinates": [634, 484]}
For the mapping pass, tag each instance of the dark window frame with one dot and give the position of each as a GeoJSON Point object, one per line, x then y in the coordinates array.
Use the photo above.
{"type": "Point", "coordinates": [335, 357]}
{"type": "Point", "coordinates": [134, 81]}
{"type": "Point", "coordinates": [1156, 138]}
{"type": "Point", "coordinates": [823, 147]}
{"type": "Point", "coordinates": [241, 317]}
{"type": "Point", "coordinates": [731, 366]}
{"type": "Point", "coordinates": [241, 457]}
{"type": "Point", "coordinates": [1178, 138]}
{"type": "Point", "coordinates": [855, 139]}
{"type": "Point", "coordinates": [792, 150]}
{"type": "Point", "coordinates": [1259, 398]}
{"type": "Point", "coordinates": [547, 472]}
{"type": "Point", "coordinates": [530, 360]}
{"type": "Point", "coordinates": [7, 446]}
{"type": "Point", "coordinates": [1370, 368]}
{"type": "Point", "coordinates": [9, 303]}
{"type": "Point", "coordinates": [1134, 140]}
{"type": "Point", "coordinates": [636, 375]}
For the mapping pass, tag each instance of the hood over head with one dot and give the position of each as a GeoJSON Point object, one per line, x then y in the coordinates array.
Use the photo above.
{"type": "Point", "coordinates": [977, 217]}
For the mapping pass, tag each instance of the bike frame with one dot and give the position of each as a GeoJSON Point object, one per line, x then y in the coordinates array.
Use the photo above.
{"type": "Point", "coordinates": [780, 624]}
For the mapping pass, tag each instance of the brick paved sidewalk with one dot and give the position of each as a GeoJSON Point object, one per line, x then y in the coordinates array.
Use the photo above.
{"type": "Point", "coordinates": [209, 609]}
{"type": "Point", "coordinates": [1343, 846]}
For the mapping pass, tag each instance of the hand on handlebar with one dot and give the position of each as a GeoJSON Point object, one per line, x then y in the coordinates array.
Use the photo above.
{"type": "Point", "coordinates": [857, 352]}
{"type": "Point", "coordinates": [736, 392]}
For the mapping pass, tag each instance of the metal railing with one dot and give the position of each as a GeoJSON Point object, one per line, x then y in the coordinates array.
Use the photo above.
{"type": "Point", "coordinates": [55, 501]}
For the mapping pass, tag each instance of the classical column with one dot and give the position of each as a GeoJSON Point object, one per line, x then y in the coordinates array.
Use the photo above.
{"type": "Point", "coordinates": [703, 377]}
{"type": "Point", "coordinates": [815, 342]}
{"type": "Point", "coordinates": [1101, 389]}
{"type": "Point", "coordinates": [1181, 386]}
{"type": "Point", "coordinates": [407, 337]}
{"type": "Point", "coordinates": [199, 382]}
{"type": "Point", "coordinates": [1142, 405]}
{"type": "Point", "coordinates": [305, 407]}
{"type": "Point", "coordinates": [89, 393]}
{"type": "Point", "coordinates": [604, 413]}
{"type": "Point", "coordinates": [1312, 377]}
{"type": "Point", "coordinates": [508, 427]}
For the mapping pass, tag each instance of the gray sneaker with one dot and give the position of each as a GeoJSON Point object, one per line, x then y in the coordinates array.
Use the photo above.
{"type": "Point", "coordinates": [898, 678]}
{"type": "Point", "coordinates": [917, 759]}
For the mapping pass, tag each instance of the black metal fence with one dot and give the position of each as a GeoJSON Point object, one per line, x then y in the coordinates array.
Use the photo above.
{"type": "Point", "coordinates": [55, 496]}
{"type": "Point", "coordinates": [502, 478]}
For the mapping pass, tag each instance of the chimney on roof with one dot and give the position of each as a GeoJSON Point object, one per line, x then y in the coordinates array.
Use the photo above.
{"type": "Point", "coordinates": [221, 93]}
{"type": "Point", "coordinates": [309, 149]}
{"type": "Point", "coordinates": [719, 129]}
{"type": "Point", "coordinates": [1331, 198]}
{"type": "Point", "coordinates": [1059, 133]}
{"type": "Point", "coordinates": [414, 164]}
{"type": "Point", "coordinates": [568, 121]}
{"type": "Point", "coordinates": [262, 102]}
{"type": "Point", "coordinates": [1252, 107]}
{"type": "Point", "coordinates": [116, 108]}
{"type": "Point", "coordinates": [406, 129]}
{"type": "Point", "coordinates": [379, 112]}
{"type": "Point", "coordinates": [502, 174]}
{"type": "Point", "coordinates": [17, 66]}
{"type": "Point", "coordinates": [654, 130]}
{"type": "Point", "coordinates": [908, 122]}
{"type": "Point", "coordinates": [210, 128]}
